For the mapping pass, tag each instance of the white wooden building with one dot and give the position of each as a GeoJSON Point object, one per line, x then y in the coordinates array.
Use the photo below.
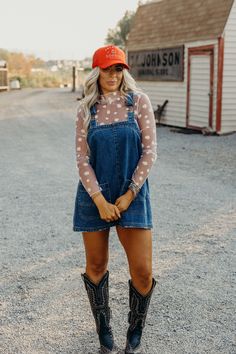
{"type": "Point", "coordinates": [184, 51]}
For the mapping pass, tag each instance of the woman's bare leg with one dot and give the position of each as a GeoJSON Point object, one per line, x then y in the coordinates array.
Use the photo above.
{"type": "Point", "coordinates": [137, 244]}
{"type": "Point", "coordinates": [97, 255]}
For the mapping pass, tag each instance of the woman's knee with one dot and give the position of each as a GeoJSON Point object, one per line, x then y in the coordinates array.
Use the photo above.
{"type": "Point", "coordinates": [97, 266]}
{"type": "Point", "coordinates": [143, 274]}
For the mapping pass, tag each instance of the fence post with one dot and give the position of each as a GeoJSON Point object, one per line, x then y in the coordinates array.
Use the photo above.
{"type": "Point", "coordinates": [73, 79]}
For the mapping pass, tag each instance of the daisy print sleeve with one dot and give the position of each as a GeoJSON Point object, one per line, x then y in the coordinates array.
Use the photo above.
{"type": "Point", "coordinates": [85, 170]}
{"type": "Point", "coordinates": [146, 121]}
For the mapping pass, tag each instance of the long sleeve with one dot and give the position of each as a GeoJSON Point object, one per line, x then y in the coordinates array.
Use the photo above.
{"type": "Point", "coordinates": [147, 125]}
{"type": "Point", "coordinates": [85, 170]}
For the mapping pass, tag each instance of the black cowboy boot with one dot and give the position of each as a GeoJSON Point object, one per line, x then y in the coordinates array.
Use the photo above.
{"type": "Point", "coordinates": [99, 296]}
{"type": "Point", "coordinates": [137, 315]}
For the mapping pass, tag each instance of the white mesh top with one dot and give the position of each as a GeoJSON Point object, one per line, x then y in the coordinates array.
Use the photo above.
{"type": "Point", "coordinates": [112, 108]}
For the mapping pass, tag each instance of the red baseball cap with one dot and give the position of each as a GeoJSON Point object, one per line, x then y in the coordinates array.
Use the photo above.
{"type": "Point", "coordinates": [107, 56]}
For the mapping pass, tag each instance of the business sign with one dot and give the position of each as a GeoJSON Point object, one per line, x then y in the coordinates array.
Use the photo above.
{"type": "Point", "coordinates": [157, 65]}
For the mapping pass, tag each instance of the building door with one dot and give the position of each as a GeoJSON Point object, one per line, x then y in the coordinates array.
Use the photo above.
{"type": "Point", "coordinates": [200, 87]}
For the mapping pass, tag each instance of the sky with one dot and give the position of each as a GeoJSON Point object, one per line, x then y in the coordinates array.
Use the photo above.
{"type": "Point", "coordinates": [59, 29]}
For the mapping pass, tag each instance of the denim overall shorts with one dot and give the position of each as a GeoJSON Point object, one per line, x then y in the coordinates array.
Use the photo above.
{"type": "Point", "coordinates": [115, 150]}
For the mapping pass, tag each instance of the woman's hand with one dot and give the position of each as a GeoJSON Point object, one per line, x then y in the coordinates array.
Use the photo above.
{"type": "Point", "coordinates": [123, 202]}
{"type": "Point", "coordinates": [107, 211]}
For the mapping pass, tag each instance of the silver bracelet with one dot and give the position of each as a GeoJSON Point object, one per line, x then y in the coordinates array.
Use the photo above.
{"type": "Point", "coordinates": [133, 186]}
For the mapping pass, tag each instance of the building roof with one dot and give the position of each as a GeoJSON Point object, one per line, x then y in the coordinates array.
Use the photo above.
{"type": "Point", "coordinates": [173, 22]}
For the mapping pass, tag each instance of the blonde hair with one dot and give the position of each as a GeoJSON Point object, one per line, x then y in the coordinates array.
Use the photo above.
{"type": "Point", "coordinates": [91, 93]}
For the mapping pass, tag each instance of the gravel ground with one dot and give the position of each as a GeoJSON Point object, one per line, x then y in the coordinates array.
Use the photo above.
{"type": "Point", "coordinates": [44, 308]}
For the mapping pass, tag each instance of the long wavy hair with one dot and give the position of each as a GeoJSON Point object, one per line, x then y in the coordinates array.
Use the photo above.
{"type": "Point", "coordinates": [92, 91]}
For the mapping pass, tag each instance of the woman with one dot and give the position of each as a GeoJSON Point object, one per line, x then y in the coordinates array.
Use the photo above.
{"type": "Point", "coordinates": [115, 149]}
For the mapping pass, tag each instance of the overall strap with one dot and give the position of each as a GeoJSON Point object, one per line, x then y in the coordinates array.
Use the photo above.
{"type": "Point", "coordinates": [129, 101]}
{"type": "Point", "coordinates": [93, 111]}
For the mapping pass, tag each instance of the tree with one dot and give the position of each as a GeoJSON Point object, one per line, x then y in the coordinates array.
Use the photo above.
{"type": "Point", "coordinates": [19, 63]}
{"type": "Point", "coordinates": [119, 35]}
{"type": "Point", "coordinates": [4, 54]}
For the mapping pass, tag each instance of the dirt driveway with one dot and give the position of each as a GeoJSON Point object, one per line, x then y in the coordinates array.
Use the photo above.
{"type": "Point", "coordinates": [44, 308]}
